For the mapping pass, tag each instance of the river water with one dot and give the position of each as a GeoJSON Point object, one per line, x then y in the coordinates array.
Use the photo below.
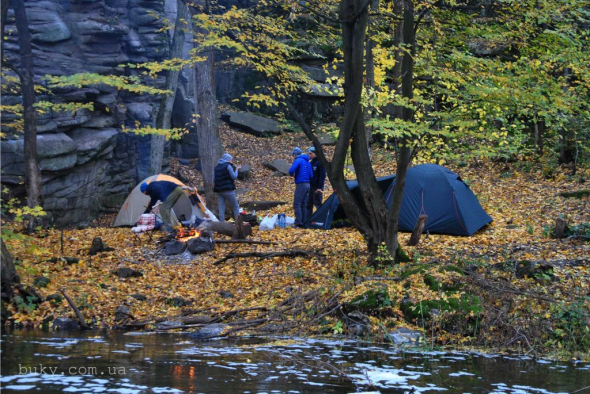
{"type": "Point", "coordinates": [92, 362]}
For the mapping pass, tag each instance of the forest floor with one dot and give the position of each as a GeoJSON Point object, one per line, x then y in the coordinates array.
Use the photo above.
{"type": "Point", "coordinates": [509, 286]}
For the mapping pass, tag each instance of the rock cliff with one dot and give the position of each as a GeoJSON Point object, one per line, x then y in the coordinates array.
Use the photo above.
{"type": "Point", "coordinates": [88, 164]}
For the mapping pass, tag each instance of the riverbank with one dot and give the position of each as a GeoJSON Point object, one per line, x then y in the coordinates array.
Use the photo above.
{"type": "Point", "coordinates": [510, 286]}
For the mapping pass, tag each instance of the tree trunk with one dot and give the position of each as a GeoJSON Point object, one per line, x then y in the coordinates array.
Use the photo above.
{"type": "Point", "coordinates": [370, 66]}
{"type": "Point", "coordinates": [163, 119]}
{"type": "Point", "coordinates": [404, 154]}
{"type": "Point", "coordinates": [354, 15]}
{"type": "Point", "coordinates": [9, 275]}
{"type": "Point", "coordinates": [560, 226]}
{"type": "Point", "coordinates": [372, 220]}
{"type": "Point", "coordinates": [4, 12]}
{"type": "Point", "coordinates": [418, 230]}
{"type": "Point", "coordinates": [210, 148]}
{"type": "Point", "coordinates": [32, 174]}
{"type": "Point", "coordinates": [539, 131]}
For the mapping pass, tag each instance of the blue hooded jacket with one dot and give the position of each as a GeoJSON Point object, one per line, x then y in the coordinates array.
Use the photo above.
{"type": "Point", "coordinates": [301, 169]}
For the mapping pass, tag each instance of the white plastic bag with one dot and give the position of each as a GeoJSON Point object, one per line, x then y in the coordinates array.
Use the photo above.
{"type": "Point", "coordinates": [268, 223]}
{"type": "Point", "coordinates": [289, 221]}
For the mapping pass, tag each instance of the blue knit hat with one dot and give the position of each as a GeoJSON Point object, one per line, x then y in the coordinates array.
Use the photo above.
{"type": "Point", "coordinates": [143, 187]}
{"type": "Point", "coordinates": [226, 157]}
{"type": "Point", "coordinates": [311, 150]}
{"type": "Point", "coordinates": [296, 151]}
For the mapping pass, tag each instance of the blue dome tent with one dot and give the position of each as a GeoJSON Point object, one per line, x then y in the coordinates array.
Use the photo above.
{"type": "Point", "coordinates": [433, 190]}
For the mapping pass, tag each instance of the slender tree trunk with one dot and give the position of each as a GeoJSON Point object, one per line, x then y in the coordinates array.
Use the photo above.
{"type": "Point", "coordinates": [210, 148]}
{"type": "Point", "coordinates": [163, 119]}
{"type": "Point", "coordinates": [538, 129]}
{"type": "Point", "coordinates": [3, 23]}
{"type": "Point", "coordinates": [354, 15]}
{"type": "Point", "coordinates": [370, 66]}
{"type": "Point", "coordinates": [32, 174]}
{"type": "Point", "coordinates": [405, 151]}
{"type": "Point", "coordinates": [9, 275]}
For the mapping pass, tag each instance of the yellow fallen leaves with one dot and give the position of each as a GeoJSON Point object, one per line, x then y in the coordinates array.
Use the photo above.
{"type": "Point", "coordinates": [522, 208]}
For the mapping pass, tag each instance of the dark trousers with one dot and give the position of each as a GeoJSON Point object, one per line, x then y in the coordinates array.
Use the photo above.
{"type": "Point", "coordinates": [315, 199]}
{"type": "Point", "coordinates": [300, 203]}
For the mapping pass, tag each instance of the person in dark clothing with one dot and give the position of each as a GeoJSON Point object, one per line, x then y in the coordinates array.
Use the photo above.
{"type": "Point", "coordinates": [225, 174]}
{"type": "Point", "coordinates": [316, 186]}
{"type": "Point", "coordinates": [168, 193]}
{"type": "Point", "coordinates": [301, 171]}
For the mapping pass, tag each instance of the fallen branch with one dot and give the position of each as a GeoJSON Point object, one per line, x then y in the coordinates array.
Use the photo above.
{"type": "Point", "coordinates": [244, 241]}
{"type": "Point", "coordinates": [81, 320]}
{"type": "Point", "coordinates": [266, 255]}
{"type": "Point", "coordinates": [361, 279]}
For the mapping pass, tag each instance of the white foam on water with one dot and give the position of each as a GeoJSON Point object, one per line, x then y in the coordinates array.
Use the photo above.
{"type": "Point", "coordinates": [19, 387]}
{"type": "Point", "coordinates": [461, 373]}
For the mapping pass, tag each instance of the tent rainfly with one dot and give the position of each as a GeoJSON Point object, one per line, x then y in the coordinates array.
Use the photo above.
{"type": "Point", "coordinates": [430, 189]}
{"type": "Point", "coordinates": [136, 203]}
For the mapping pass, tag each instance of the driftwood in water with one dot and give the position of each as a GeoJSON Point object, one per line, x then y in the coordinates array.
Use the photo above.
{"type": "Point", "coordinates": [79, 314]}
{"type": "Point", "coordinates": [418, 230]}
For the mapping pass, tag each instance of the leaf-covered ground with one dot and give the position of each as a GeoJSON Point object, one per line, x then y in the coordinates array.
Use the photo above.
{"type": "Point", "coordinates": [509, 286]}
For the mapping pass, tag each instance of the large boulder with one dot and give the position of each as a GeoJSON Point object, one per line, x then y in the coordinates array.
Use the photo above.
{"type": "Point", "coordinates": [45, 23]}
{"type": "Point", "coordinates": [56, 152]}
{"type": "Point", "coordinates": [252, 124]}
{"type": "Point", "coordinates": [209, 331]}
{"type": "Point", "coordinates": [406, 336]}
{"type": "Point", "coordinates": [279, 165]}
{"type": "Point", "coordinates": [93, 143]}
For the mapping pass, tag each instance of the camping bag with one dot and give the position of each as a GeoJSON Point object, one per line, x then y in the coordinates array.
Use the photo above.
{"type": "Point", "coordinates": [146, 222]}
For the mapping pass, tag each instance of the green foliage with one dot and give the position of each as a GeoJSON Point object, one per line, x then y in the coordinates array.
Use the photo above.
{"type": "Point", "coordinates": [338, 328]}
{"type": "Point", "coordinates": [21, 215]}
{"type": "Point", "coordinates": [129, 83]}
{"type": "Point", "coordinates": [571, 330]}
{"type": "Point", "coordinates": [370, 301]}
{"type": "Point", "coordinates": [25, 305]}
{"type": "Point", "coordinates": [174, 133]}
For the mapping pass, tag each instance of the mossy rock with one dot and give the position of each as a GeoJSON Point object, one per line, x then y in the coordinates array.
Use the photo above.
{"type": "Point", "coordinates": [41, 281]}
{"type": "Point", "coordinates": [576, 194]}
{"type": "Point", "coordinates": [435, 285]}
{"type": "Point", "coordinates": [420, 268]}
{"type": "Point", "coordinates": [401, 256]}
{"type": "Point", "coordinates": [177, 301]}
{"type": "Point", "coordinates": [467, 304]}
{"type": "Point", "coordinates": [452, 268]}
{"type": "Point", "coordinates": [371, 300]}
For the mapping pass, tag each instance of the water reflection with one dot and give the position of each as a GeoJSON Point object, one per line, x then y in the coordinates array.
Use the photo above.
{"type": "Point", "coordinates": [89, 362]}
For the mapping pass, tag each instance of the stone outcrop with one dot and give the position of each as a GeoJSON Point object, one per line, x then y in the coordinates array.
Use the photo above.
{"type": "Point", "coordinates": [259, 126]}
{"type": "Point", "coordinates": [87, 163]}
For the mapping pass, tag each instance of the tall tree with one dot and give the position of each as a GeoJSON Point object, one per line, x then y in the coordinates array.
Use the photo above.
{"type": "Point", "coordinates": [32, 173]}
{"type": "Point", "coordinates": [206, 110]}
{"type": "Point", "coordinates": [163, 119]}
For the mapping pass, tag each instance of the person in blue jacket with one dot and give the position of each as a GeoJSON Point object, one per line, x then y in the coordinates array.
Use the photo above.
{"type": "Point", "coordinates": [168, 193]}
{"type": "Point", "coordinates": [224, 176]}
{"type": "Point", "coordinates": [301, 171]}
{"type": "Point", "coordinates": [318, 179]}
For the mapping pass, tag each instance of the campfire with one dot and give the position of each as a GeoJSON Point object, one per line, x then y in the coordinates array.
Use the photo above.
{"type": "Point", "coordinates": [183, 234]}
{"type": "Point", "coordinates": [191, 239]}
